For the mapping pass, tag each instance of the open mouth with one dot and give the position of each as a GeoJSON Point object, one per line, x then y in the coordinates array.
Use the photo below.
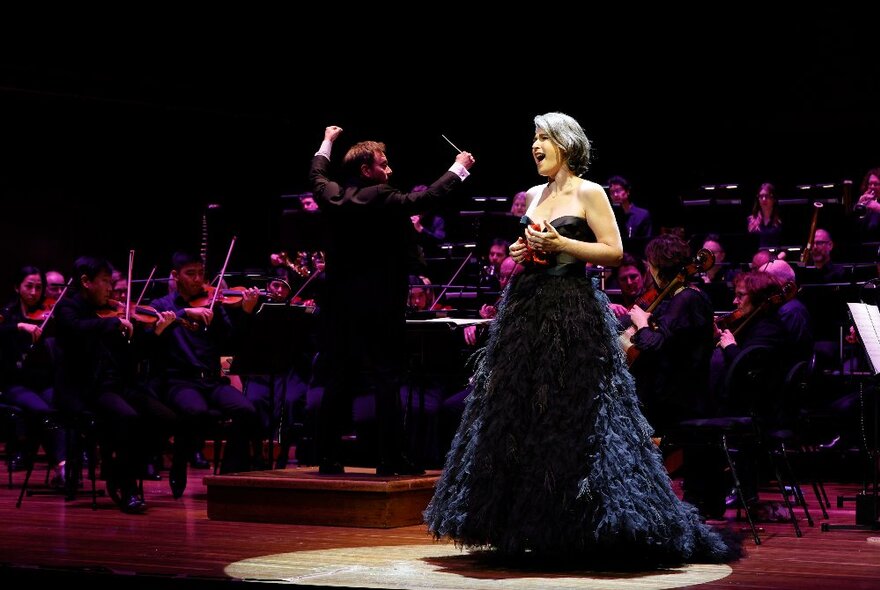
{"type": "Point", "coordinates": [539, 157]}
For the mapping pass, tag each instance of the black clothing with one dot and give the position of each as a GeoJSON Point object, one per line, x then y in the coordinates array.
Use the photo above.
{"type": "Point", "coordinates": [187, 371]}
{"type": "Point", "coordinates": [369, 257]}
{"type": "Point", "coordinates": [553, 459]}
{"type": "Point", "coordinates": [672, 369]}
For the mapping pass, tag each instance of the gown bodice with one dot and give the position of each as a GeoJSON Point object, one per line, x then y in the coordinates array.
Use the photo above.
{"type": "Point", "coordinates": [569, 226]}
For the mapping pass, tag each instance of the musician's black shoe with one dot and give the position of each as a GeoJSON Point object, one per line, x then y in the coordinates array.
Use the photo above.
{"type": "Point", "coordinates": [151, 473]}
{"type": "Point", "coordinates": [133, 504]}
{"type": "Point", "coordinates": [331, 468]}
{"type": "Point", "coordinates": [17, 463]}
{"type": "Point", "coordinates": [400, 466]}
{"type": "Point", "coordinates": [199, 461]}
{"type": "Point", "coordinates": [177, 478]}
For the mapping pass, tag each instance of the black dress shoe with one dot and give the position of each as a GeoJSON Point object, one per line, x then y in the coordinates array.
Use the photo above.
{"type": "Point", "coordinates": [151, 473]}
{"type": "Point", "coordinates": [177, 479]}
{"type": "Point", "coordinates": [133, 504]}
{"type": "Point", "coordinates": [334, 468]}
{"type": "Point", "coordinates": [16, 463]}
{"type": "Point", "coordinates": [199, 461]}
{"type": "Point", "coordinates": [114, 491]}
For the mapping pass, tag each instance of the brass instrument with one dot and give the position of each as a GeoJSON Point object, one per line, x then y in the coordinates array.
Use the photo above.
{"type": "Point", "coordinates": [846, 197]}
{"type": "Point", "coordinates": [807, 253]}
{"type": "Point", "coordinates": [299, 264]}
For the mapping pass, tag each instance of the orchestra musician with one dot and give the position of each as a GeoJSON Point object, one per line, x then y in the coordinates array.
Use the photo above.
{"type": "Point", "coordinates": [26, 372]}
{"type": "Point", "coordinates": [672, 369]}
{"type": "Point", "coordinates": [55, 282]}
{"type": "Point", "coordinates": [92, 374]}
{"type": "Point", "coordinates": [188, 367]}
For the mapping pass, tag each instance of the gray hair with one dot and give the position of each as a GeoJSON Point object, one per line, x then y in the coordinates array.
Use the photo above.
{"type": "Point", "coordinates": [779, 269]}
{"type": "Point", "coordinates": [568, 135]}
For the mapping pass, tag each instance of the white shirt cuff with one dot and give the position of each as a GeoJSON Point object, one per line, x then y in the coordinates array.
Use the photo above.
{"type": "Point", "coordinates": [456, 169]}
{"type": "Point", "coordinates": [325, 148]}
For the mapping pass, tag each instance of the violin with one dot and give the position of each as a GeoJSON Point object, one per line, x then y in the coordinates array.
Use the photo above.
{"type": "Point", "coordinates": [144, 314]}
{"type": "Point", "coordinates": [647, 298]}
{"type": "Point", "coordinates": [41, 313]}
{"type": "Point", "coordinates": [229, 296]}
{"type": "Point", "coordinates": [785, 294]}
{"type": "Point", "coordinates": [727, 322]}
{"type": "Point", "coordinates": [701, 262]}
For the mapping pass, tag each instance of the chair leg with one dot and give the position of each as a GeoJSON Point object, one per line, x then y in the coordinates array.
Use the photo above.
{"type": "Point", "coordinates": [24, 485]}
{"type": "Point", "coordinates": [780, 483]}
{"type": "Point", "coordinates": [795, 485]}
{"type": "Point", "coordinates": [218, 451]}
{"type": "Point", "coordinates": [29, 452]}
{"type": "Point", "coordinates": [92, 446]}
{"type": "Point", "coordinates": [738, 487]}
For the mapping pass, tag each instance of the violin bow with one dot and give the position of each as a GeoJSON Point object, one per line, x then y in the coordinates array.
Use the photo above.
{"type": "Point", "coordinates": [146, 285]}
{"type": "Point", "coordinates": [446, 287]}
{"type": "Point", "coordinates": [311, 278]}
{"type": "Point", "coordinates": [222, 272]}
{"type": "Point", "coordinates": [51, 311]}
{"type": "Point", "coordinates": [128, 286]}
{"type": "Point", "coordinates": [45, 321]}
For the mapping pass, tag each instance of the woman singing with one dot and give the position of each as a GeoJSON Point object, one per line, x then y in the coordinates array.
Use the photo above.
{"type": "Point", "coordinates": [553, 460]}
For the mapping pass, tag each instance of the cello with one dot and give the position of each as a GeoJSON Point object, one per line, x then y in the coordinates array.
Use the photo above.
{"type": "Point", "coordinates": [701, 262]}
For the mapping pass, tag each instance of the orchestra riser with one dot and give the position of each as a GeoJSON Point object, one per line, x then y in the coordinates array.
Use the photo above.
{"type": "Point", "coordinates": [358, 498]}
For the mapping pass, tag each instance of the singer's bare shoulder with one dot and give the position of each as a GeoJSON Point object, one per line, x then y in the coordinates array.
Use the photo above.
{"type": "Point", "coordinates": [534, 193]}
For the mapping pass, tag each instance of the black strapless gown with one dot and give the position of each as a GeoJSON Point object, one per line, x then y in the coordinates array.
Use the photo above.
{"type": "Point", "coordinates": [553, 458]}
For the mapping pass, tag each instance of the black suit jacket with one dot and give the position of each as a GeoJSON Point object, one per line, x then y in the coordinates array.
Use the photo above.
{"type": "Point", "coordinates": [369, 252]}
{"type": "Point", "coordinates": [85, 344]}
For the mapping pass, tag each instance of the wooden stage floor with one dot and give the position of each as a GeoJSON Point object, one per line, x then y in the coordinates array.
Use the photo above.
{"type": "Point", "coordinates": [175, 545]}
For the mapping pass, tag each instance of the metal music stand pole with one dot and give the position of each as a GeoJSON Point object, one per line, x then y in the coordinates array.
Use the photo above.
{"type": "Point", "coordinates": [274, 338]}
{"type": "Point", "coordinates": [866, 319]}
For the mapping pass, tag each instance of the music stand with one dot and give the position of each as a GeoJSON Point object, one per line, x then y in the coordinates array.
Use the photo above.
{"type": "Point", "coordinates": [866, 319]}
{"type": "Point", "coordinates": [433, 360]}
{"type": "Point", "coordinates": [269, 346]}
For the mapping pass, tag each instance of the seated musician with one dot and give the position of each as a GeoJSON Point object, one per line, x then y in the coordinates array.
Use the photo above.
{"type": "Point", "coordinates": [793, 314]}
{"type": "Point", "coordinates": [94, 354]}
{"type": "Point", "coordinates": [188, 365]}
{"type": "Point", "coordinates": [671, 369]}
{"type": "Point", "coordinates": [26, 373]}
{"type": "Point", "coordinates": [674, 343]}
{"type": "Point", "coordinates": [757, 322]}
{"type": "Point", "coordinates": [717, 282]}
{"type": "Point", "coordinates": [629, 277]}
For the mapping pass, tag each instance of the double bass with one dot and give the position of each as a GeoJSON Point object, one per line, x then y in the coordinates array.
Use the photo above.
{"type": "Point", "coordinates": [701, 262]}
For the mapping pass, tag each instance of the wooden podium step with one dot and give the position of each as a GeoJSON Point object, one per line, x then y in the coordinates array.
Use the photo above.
{"type": "Point", "coordinates": [299, 495]}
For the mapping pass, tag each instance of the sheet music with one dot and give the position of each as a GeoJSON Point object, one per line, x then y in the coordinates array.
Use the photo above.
{"type": "Point", "coordinates": [867, 322]}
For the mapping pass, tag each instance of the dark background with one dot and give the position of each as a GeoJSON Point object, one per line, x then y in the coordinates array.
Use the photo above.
{"type": "Point", "coordinates": [167, 119]}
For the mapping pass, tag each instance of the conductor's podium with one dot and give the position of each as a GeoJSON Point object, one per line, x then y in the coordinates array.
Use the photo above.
{"type": "Point", "coordinates": [300, 495]}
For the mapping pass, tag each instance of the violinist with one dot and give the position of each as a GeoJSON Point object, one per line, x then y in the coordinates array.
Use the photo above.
{"type": "Point", "coordinates": [672, 370]}
{"type": "Point", "coordinates": [630, 278]}
{"type": "Point", "coordinates": [752, 290]}
{"type": "Point", "coordinates": [674, 342]}
{"type": "Point", "coordinates": [93, 374]}
{"type": "Point", "coordinates": [55, 282]}
{"type": "Point", "coordinates": [188, 367]}
{"type": "Point", "coordinates": [793, 314]}
{"type": "Point", "coordinates": [758, 324]}
{"type": "Point", "coordinates": [27, 375]}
